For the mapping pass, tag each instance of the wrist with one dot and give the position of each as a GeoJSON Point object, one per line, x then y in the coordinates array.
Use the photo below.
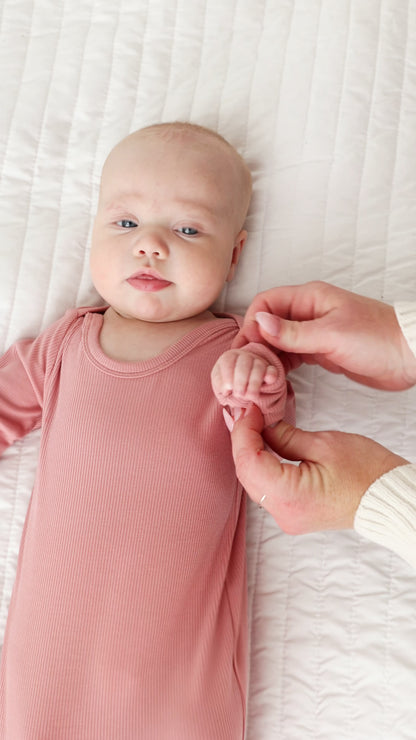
{"type": "Point", "coordinates": [387, 511]}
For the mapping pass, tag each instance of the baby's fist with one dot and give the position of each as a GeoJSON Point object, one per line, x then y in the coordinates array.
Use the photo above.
{"type": "Point", "coordinates": [239, 376]}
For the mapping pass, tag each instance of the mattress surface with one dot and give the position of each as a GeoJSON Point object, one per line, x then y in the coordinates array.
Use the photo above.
{"type": "Point", "coordinates": [320, 98]}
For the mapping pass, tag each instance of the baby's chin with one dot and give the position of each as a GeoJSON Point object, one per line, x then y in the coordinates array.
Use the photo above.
{"type": "Point", "coordinates": [154, 312]}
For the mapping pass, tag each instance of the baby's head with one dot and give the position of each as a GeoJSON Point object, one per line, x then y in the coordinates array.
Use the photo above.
{"type": "Point", "coordinates": [217, 160]}
{"type": "Point", "coordinates": [169, 226]}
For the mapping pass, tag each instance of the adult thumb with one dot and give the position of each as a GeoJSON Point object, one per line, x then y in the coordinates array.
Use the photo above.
{"type": "Point", "coordinates": [289, 442]}
{"type": "Point", "coordinates": [291, 336]}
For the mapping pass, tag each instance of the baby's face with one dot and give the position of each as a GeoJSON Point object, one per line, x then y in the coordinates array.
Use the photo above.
{"type": "Point", "coordinates": [167, 233]}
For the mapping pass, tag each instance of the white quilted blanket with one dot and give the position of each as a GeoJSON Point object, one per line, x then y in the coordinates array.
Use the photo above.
{"type": "Point", "coordinates": [320, 97]}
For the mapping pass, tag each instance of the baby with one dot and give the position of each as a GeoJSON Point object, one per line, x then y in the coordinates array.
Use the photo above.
{"type": "Point", "coordinates": [128, 615]}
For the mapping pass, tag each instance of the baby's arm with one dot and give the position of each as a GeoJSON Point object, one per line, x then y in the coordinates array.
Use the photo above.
{"type": "Point", "coordinates": [25, 370]}
{"type": "Point", "coordinates": [253, 374]}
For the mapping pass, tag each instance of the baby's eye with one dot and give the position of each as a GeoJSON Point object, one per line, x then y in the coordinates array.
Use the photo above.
{"type": "Point", "coordinates": [188, 231]}
{"type": "Point", "coordinates": [125, 223]}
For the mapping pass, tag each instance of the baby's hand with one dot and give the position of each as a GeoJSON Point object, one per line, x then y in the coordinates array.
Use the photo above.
{"type": "Point", "coordinates": [238, 376]}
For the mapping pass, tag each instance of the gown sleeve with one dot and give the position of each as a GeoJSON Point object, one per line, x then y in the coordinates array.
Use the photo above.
{"type": "Point", "coordinates": [24, 370]}
{"type": "Point", "coordinates": [387, 511]}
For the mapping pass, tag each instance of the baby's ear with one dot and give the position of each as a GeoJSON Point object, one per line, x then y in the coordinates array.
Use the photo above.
{"type": "Point", "coordinates": [240, 240]}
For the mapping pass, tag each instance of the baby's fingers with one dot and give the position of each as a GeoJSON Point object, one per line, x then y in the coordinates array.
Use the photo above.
{"type": "Point", "coordinates": [222, 375]}
{"type": "Point", "coordinates": [241, 374]}
{"type": "Point", "coordinates": [250, 373]}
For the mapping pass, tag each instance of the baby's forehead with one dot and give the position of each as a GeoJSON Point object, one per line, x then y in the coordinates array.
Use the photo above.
{"type": "Point", "coordinates": [155, 155]}
{"type": "Point", "coordinates": [213, 157]}
{"type": "Point", "coordinates": [172, 141]}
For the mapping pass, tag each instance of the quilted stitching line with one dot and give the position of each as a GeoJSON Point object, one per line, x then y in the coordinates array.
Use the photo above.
{"type": "Point", "coordinates": [171, 54]}
{"type": "Point", "coordinates": [267, 205]}
{"type": "Point", "coordinates": [81, 68]}
{"type": "Point", "coordinates": [33, 173]}
{"type": "Point", "coordinates": [396, 152]}
{"type": "Point", "coordinates": [358, 201]}
{"type": "Point", "coordinates": [336, 135]}
{"type": "Point", "coordinates": [7, 148]}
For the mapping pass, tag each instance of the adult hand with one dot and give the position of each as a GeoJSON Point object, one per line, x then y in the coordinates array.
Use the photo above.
{"type": "Point", "coordinates": [324, 490]}
{"type": "Point", "coordinates": [321, 324]}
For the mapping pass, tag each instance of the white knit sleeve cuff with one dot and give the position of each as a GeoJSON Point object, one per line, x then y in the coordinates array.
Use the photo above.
{"type": "Point", "coordinates": [406, 316]}
{"type": "Point", "coordinates": [387, 512]}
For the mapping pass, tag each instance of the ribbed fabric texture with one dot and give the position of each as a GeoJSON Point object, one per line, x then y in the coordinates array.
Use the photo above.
{"type": "Point", "coordinates": [128, 617]}
{"type": "Point", "coordinates": [387, 511]}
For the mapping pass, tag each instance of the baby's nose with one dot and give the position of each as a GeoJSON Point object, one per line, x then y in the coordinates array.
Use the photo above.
{"type": "Point", "coordinates": [152, 244]}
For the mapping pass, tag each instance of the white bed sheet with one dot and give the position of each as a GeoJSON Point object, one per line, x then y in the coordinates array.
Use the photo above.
{"type": "Point", "coordinates": [320, 97]}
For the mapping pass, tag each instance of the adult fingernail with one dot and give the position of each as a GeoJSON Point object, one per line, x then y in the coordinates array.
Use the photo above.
{"type": "Point", "coordinates": [268, 322]}
{"type": "Point", "coordinates": [262, 500]}
{"type": "Point", "coordinates": [229, 423]}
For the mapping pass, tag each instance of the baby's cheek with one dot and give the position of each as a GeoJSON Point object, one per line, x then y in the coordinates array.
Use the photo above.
{"type": "Point", "coordinates": [207, 284]}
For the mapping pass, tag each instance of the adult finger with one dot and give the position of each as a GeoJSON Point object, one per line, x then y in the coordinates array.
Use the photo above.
{"type": "Point", "coordinates": [302, 337]}
{"type": "Point", "coordinates": [259, 470]}
{"type": "Point", "coordinates": [294, 302]}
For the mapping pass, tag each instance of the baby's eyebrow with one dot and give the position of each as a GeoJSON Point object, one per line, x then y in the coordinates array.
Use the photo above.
{"type": "Point", "coordinates": [115, 206]}
{"type": "Point", "coordinates": [194, 206]}
{"type": "Point", "coordinates": [190, 207]}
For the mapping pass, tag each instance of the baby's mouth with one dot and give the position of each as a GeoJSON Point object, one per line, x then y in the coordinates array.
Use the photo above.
{"type": "Point", "coordinates": [148, 281]}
